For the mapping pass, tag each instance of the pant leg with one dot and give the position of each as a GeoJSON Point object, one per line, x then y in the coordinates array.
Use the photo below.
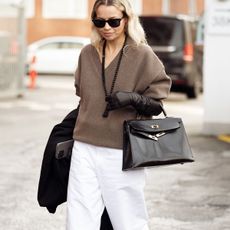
{"type": "Point", "coordinates": [123, 192]}
{"type": "Point", "coordinates": [84, 200]}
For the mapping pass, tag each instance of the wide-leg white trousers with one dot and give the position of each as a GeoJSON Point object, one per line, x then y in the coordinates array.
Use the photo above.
{"type": "Point", "coordinates": [96, 180]}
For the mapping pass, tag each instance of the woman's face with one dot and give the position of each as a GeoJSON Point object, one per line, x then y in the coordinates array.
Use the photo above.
{"type": "Point", "coordinates": [110, 12]}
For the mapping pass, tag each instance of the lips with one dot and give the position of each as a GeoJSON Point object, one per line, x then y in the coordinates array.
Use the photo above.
{"type": "Point", "coordinates": [108, 34]}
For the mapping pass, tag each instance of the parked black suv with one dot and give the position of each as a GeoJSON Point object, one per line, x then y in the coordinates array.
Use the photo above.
{"type": "Point", "coordinates": [172, 38]}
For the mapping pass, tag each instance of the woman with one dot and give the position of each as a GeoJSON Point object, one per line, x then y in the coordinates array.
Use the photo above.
{"type": "Point", "coordinates": [118, 77]}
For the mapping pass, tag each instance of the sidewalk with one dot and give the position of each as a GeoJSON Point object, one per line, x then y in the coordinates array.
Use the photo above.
{"type": "Point", "coordinates": [181, 197]}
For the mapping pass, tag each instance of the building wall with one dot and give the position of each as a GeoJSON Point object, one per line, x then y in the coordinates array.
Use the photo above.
{"type": "Point", "coordinates": [151, 7]}
{"type": "Point", "coordinates": [39, 27]}
{"type": "Point", "coordinates": [200, 6]}
{"type": "Point", "coordinates": [182, 6]}
{"type": "Point", "coordinates": [178, 7]}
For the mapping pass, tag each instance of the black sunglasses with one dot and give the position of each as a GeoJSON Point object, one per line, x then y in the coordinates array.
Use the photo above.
{"type": "Point", "coordinates": [113, 22]}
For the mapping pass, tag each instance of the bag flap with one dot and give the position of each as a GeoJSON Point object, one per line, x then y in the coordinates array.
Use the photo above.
{"type": "Point", "coordinates": [155, 125]}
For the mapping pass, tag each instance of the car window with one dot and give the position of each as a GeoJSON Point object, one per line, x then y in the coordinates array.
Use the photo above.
{"type": "Point", "coordinates": [163, 31]}
{"type": "Point", "coordinates": [49, 46]}
{"type": "Point", "coordinates": [71, 45]}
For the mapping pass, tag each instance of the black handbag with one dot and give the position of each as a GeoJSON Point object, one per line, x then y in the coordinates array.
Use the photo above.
{"type": "Point", "coordinates": [155, 142]}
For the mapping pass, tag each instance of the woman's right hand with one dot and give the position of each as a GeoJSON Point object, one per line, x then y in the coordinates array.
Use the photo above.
{"type": "Point", "coordinates": [119, 99]}
{"type": "Point", "coordinates": [144, 105]}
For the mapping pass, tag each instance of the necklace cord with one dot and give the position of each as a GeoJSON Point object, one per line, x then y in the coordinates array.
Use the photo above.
{"type": "Point", "coordinates": [106, 112]}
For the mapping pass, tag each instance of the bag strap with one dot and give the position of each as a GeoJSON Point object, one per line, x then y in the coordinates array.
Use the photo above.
{"type": "Point", "coordinates": [163, 111]}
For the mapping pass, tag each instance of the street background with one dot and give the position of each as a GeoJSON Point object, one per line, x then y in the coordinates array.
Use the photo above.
{"type": "Point", "coordinates": [194, 196]}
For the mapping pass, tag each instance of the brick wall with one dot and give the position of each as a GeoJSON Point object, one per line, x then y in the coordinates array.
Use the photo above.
{"type": "Point", "coordinates": [38, 27]}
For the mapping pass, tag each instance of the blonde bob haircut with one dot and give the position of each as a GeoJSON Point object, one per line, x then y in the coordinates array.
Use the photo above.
{"type": "Point", "coordinates": [133, 28]}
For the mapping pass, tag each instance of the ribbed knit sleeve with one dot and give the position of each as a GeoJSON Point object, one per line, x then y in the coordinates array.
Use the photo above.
{"type": "Point", "coordinates": [159, 88]}
{"type": "Point", "coordinates": [157, 82]}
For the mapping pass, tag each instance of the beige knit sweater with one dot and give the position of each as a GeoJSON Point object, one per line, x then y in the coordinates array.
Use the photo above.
{"type": "Point", "coordinates": [140, 71]}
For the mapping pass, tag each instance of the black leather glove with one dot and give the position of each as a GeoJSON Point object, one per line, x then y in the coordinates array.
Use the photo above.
{"type": "Point", "coordinates": [119, 99]}
{"type": "Point", "coordinates": [144, 105]}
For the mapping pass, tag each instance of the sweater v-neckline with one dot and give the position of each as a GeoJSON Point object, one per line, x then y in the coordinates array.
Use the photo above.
{"type": "Point", "coordinates": [112, 61]}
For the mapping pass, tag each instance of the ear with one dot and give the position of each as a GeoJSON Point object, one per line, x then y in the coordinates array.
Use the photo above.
{"type": "Point", "coordinates": [126, 24]}
{"type": "Point", "coordinates": [125, 20]}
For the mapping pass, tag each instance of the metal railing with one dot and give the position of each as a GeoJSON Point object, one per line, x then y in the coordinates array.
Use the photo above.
{"type": "Point", "coordinates": [12, 49]}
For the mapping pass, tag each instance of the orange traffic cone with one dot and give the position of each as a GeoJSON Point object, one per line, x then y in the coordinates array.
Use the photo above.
{"type": "Point", "coordinates": [32, 74]}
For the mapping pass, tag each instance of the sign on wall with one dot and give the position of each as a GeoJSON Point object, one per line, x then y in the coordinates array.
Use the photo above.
{"type": "Point", "coordinates": [218, 18]}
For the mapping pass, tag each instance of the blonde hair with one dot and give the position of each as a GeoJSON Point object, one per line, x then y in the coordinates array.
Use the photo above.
{"type": "Point", "coordinates": [134, 29]}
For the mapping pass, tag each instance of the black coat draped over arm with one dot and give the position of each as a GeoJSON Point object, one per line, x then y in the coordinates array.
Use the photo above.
{"type": "Point", "coordinates": [53, 183]}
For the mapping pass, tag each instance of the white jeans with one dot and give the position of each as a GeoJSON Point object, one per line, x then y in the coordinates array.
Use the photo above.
{"type": "Point", "coordinates": [96, 180]}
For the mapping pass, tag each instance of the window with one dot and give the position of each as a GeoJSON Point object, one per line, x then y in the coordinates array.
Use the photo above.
{"type": "Point", "coordinates": [137, 6]}
{"type": "Point", "coordinates": [29, 8]}
{"type": "Point", "coordinates": [65, 9]}
{"type": "Point", "coordinates": [162, 31]}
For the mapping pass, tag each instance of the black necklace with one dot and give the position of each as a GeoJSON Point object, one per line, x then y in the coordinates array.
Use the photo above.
{"type": "Point", "coordinates": [106, 112]}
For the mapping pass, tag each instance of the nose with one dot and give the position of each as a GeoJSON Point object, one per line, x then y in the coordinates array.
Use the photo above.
{"type": "Point", "coordinates": [107, 26]}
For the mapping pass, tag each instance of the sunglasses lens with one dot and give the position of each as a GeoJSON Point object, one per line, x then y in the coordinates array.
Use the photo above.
{"type": "Point", "coordinates": [99, 23]}
{"type": "Point", "coordinates": [114, 22]}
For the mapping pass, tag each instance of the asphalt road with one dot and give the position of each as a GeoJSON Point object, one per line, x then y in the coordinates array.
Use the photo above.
{"type": "Point", "coordinates": [181, 197]}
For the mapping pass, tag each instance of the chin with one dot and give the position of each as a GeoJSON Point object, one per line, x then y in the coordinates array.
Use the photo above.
{"type": "Point", "coordinates": [109, 37]}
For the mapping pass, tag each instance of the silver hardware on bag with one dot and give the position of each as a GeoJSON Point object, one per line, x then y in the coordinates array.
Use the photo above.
{"type": "Point", "coordinates": [160, 134]}
{"type": "Point", "coordinates": [156, 136]}
{"type": "Point", "coordinates": [155, 126]}
{"type": "Point", "coordinates": [153, 137]}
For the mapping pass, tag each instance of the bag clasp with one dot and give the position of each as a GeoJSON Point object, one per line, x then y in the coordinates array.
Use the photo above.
{"type": "Point", "coordinates": [154, 126]}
